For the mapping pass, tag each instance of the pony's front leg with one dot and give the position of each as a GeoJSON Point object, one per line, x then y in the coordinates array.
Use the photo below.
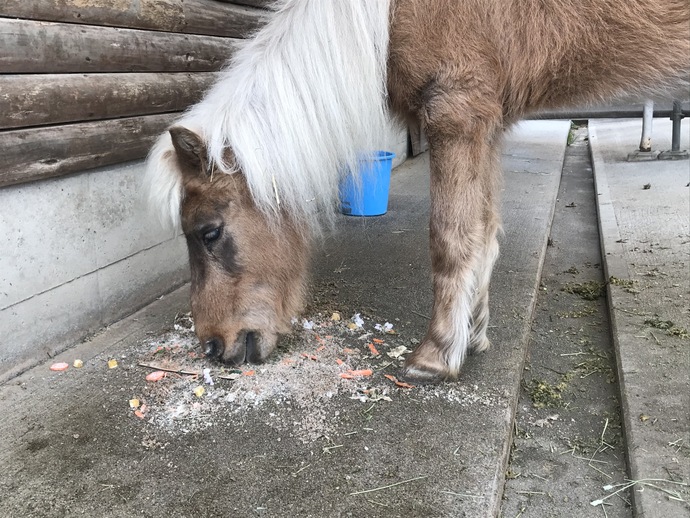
{"type": "Point", "coordinates": [463, 227]}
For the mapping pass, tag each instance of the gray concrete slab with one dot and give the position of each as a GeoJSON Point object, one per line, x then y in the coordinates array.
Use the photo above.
{"type": "Point", "coordinates": [72, 445]}
{"type": "Point", "coordinates": [25, 267]}
{"type": "Point", "coordinates": [46, 323]}
{"type": "Point", "coordinates": [644, 211]}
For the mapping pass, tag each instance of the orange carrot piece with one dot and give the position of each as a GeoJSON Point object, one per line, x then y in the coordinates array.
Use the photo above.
{"type": "Point", "coordinates": [400, 384]}
{"type": "Point", "coordinates": [377, 340]}
{"type": "Point", "coordinates": [339, 361]}
{"type": "Point", "coordinates": [139, 414]}
{"type": "Point", "coordinates": [373, 349]}
{"type": "Point", "coordinates": [61, 366]}
{"type": "Point", "coordinates": [319, 349]}
{"type": "Point", "coordinates": [155, 376]}
{"type": "Point", "coordinates": [352, 374]}
{"type": "Point", "coordinates": [249, 373]}
{"type": "Point", "coordinates": [362, 372]}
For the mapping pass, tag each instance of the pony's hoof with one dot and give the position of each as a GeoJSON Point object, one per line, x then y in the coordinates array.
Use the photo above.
{"type": "Point", "coordinates": [426, 365]}
{"type": "Point", "coordinates": [422, 374]}
{"type": "Point", "coordinates": [481, 346]}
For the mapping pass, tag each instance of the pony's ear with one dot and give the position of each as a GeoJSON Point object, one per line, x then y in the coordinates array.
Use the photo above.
{"type": "Point", "coordinates": [190, 148]}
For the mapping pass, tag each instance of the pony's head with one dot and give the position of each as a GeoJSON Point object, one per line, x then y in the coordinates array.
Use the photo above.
{"type": "Point", "coordinates": [247, 269]}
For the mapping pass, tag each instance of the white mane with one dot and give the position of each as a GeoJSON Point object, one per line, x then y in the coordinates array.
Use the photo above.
{"type": "Point", "coordinates": [297, 105]}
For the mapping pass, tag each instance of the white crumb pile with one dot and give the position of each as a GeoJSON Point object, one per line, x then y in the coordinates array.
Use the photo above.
{"type": "Point", "coordinates": [327, 358]}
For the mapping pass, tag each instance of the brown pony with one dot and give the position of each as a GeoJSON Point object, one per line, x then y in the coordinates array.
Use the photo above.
{"type": "Point", "coordinates": [253, 169]}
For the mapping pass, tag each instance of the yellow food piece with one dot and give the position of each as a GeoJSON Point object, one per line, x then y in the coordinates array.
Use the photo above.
{"type": "Point", "coordinates": [199, 391]}
{"type": "Point", "coordinates": [78, 364]}
{"type": "Point", "coordinates": [335, 316]}
{"type": "Point", "coordinates": [134, 403]}
{"type": "Point", "coordinates": [112, 364]}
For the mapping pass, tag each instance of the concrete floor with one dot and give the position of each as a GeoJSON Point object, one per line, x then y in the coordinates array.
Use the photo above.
{"type": "Point", "coordinates": [71, 444]}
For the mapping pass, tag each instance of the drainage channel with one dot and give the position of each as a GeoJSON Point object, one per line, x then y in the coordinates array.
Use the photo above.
{"type": "Point", "coordinates": [567, 437]}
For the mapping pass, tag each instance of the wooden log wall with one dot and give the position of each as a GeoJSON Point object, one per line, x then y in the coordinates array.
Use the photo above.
{"type": "Point", "coordinates": [87, 84]}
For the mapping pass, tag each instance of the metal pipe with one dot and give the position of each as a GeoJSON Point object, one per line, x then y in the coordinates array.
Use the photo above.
{"type": "Point", "coordinates": [647, 119]}
{"type": "Point", "coordinates": [675, 153]}
{"type": "Point", "coordinates": [676, 118]}
{"type": "Point", "coordinates": [606, 113]}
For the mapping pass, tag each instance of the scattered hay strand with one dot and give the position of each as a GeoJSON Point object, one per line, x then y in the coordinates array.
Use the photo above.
{"type": "Point", "coordinates": [389, 486]}
{"type": "Point", "coordinates": [461, 495]}
{"type": "Point", "coordinates": [167, 369]}
{"type": "Point", "coordinates": [645, 482]}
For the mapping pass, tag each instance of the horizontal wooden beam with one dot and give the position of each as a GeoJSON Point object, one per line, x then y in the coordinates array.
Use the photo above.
{"type": "Point", "coordinates": [253, 3]}
{"type": "Point", "coordinates": [40, 153]}
{"type": "Point", "coordinates": [43, 99]}
{"type": "Point", "coordinates": [51, 48]}
{"type": "Point", "coordinates": [187, 16]}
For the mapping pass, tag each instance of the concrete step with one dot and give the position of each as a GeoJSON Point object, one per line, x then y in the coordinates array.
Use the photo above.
{"type": "Point", "coordinates": [644, 214]}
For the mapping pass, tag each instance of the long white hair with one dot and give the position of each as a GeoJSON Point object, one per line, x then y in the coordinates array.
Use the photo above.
{"type": "Point", "coordinates": [297, 105]}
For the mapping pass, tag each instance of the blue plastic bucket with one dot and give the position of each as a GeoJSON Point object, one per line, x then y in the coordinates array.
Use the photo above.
{"type": "Point", "coordinates": [369, 195]}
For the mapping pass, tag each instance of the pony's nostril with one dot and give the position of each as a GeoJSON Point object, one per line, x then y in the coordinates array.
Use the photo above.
{"type": "Point", "coordinates": [213, 347]}
{"type": "Point", "coordinates": [252, 349]}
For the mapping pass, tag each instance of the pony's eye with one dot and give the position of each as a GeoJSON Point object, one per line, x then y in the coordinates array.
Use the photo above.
{"type": "Point", "coordinates": [210, 236]}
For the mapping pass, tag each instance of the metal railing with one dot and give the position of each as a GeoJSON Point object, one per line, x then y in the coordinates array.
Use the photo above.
{"type": "Point", "coordinates": [648, 111]}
